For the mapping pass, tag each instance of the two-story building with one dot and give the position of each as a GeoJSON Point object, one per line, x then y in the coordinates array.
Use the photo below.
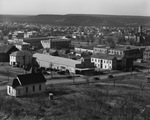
{"type": "Point", "coordinates": [20, 58]}
{"type": "Point", "coordinates": [133, 52]}
{"type": "Point", "coordinates": [112, 62]}
{"type": "Point", "coordinates": [105, 62]}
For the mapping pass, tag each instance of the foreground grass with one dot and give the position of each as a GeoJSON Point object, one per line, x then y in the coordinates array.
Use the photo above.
{"type": "Point", "coordinates": [124, 101]}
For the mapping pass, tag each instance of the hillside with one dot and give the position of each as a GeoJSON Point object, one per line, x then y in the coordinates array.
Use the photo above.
{"type": "Point", "coordinates": [80, 20]}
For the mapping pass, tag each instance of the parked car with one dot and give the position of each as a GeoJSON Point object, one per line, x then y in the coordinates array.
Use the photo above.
{"type": "Point", "coordinates": [96, 78]}
{"type": "Point", "coordinates": [110, 76]}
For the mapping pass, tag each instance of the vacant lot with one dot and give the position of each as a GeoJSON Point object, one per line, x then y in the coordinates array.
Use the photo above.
{"type": "Point", "coordinates": [8, 72]}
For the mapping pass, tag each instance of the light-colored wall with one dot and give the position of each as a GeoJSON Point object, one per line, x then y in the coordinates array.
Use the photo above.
{"type": "Point", "coordinates": [20, 92]}
{"type": "Point", "coordinates": [11, 91]}
{"type": "Point", "coordinates": [99, 50]}
{"type": "Point", "coordinates": [19, 59]}
{"type": "Point", "coordinates": [106, 64]}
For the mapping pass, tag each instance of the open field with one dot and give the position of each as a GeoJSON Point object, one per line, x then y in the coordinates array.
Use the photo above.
{"type": "Point", "coordinates": [102, 100]}
{"type": "Point", "coordinates": [8, 72]}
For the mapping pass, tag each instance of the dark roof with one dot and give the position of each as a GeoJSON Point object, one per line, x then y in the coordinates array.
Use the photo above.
{"type": "Point", "coordinates": [27, 79]}
{"type": "Point", "coordinates": [5, 48]}
{"type": "Point", "coordinates": [14, 83]}
{"type": "Point", "coordinates": [101, 56]}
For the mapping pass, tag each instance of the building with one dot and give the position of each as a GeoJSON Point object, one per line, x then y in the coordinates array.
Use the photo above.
{"type": "Point", "coordinates": [26, 84]}
{"type": "Point", "coordinates": [56, 43]}
{"type": "Point", "coordinates": [105, 62]}
{"type": "Point", "coordinates": [18, 35]}
{"type": "Point", "coordinates": [100, 49]}
{"type": "Point", "coordinates": [35, 42]}
{"type": "Point", "coordinates": [20, 58]}
{"type": "Point", "coordinates": [60, 63]}
{"type": "Point", "coordinates": [112, 62]}
{"type": "Point", "coordinates": [22, 46]}
{"type": "Point", "coordinates": [83, 49]}
{"type": "Point", "coordinates": [146, 55]}
{"type": "Point", "coordinates": [5, 51]}
{"type": "Point", "coordinates": [134, 52]}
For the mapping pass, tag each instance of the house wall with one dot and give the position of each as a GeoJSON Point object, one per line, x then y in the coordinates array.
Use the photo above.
{"type": "Point", "coordinates": [11, 91]}
{"type": "Point", "coordinates": [103, 63]}
{"type": "Point", "coordinates": [14, 60]}
{"type": "Point", "coordinates": [100, 50]}
{"type": "Point", "coordinates": [82, 50]}
{"type": "Point", "coordinates": [45, 43]}
{"type": "Point", "coordinates": [115, 52]}
{"type": "Point", "coordinates": [26, 90]}
{"type": "Point", "coordinates": [146, 56]}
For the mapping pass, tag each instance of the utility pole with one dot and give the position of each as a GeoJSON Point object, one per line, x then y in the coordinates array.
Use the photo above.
{"type": "Point", "coordinates": [51, 65]}
{"type": "Point", "coordinates": [8, 74]}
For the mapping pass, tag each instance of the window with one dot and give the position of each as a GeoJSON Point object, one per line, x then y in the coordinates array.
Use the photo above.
{"type": "Point", "coordinates": [33, 88]}
{"type": "Point", "coordinates": [9, 90]}
{"type": "Point", "coordinates": [26, 89]}
{"type": "Point", "coordinates": [18, 92]}
{"type": "Point", "coordinates": [39, 87]}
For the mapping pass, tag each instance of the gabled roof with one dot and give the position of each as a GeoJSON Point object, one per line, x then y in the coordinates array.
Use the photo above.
{"type": "Point", "coordinates": [5, 48]}
{"type": "Point", "coordinates": [27, 79]}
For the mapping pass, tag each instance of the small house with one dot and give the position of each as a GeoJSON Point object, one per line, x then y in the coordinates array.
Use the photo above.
{"type": "Point", "coordinates": [26, 84]}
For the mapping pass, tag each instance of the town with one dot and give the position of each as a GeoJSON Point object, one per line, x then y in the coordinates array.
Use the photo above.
{"type": "Point", "coordinates": [74, 60]}
{"type": "Point", "coordinates": [35, 57]}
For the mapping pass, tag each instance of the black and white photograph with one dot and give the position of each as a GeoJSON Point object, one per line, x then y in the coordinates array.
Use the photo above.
{"type": "Point", "coordinates": [74, 59]}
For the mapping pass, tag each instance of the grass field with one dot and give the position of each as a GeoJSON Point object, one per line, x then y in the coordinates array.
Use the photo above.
{"type": "Point", "coordinates": [93, 101]}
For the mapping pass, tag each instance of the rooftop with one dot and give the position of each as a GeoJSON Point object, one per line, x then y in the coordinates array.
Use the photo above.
{"type": "Point", "coordinates": [57, 60]}
{"type": "Point", "coordinates": [27, 79]}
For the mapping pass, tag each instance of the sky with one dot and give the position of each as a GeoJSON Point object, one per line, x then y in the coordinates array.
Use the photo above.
{"type": "Point", "coordinates": [110, 7]}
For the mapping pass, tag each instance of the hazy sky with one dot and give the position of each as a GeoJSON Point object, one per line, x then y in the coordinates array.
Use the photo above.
{"type": "Point", "coordinates": [112, 7]}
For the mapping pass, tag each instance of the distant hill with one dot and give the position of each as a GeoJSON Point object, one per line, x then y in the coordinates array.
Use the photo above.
{"type": "Point", "coordinates": [80, 20]}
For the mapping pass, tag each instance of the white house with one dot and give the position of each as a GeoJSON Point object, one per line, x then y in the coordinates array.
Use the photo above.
{"type": "Point", "coordinates": [20, 58]}
{"type": "Point", "coordinates": [26, 84]}
{"type": "Point", "coordinates": [104, 61]}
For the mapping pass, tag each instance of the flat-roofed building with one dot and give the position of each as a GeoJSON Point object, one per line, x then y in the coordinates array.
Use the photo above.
{"type": "Point", "coordinates": [134, 52]}
{"type": "Point", "coordinates": [60, 63]}
{"type": "Point", "coordinates": [56, 43]}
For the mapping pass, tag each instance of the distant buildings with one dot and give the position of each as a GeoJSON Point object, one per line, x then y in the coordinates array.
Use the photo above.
{"type": "Point", "coordinates": [20, 58]}
{"type": "Point", "coordinates": [26, 84]}
{"type": "Point", "coordinates": [133, 52]}
{"type": "Point", "coordinates": [56, 43]}
{"type": "Point", "coordinates": [22, 45]}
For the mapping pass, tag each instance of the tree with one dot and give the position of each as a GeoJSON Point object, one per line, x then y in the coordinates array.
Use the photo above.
{"type": "Point", "coordinates": [121, 40]}
{"type": "Point", "coordinates": [110, 41]}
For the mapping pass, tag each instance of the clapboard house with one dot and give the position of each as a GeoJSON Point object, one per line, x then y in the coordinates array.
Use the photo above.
{"type": "Point", "coordinates": [26, 84]}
